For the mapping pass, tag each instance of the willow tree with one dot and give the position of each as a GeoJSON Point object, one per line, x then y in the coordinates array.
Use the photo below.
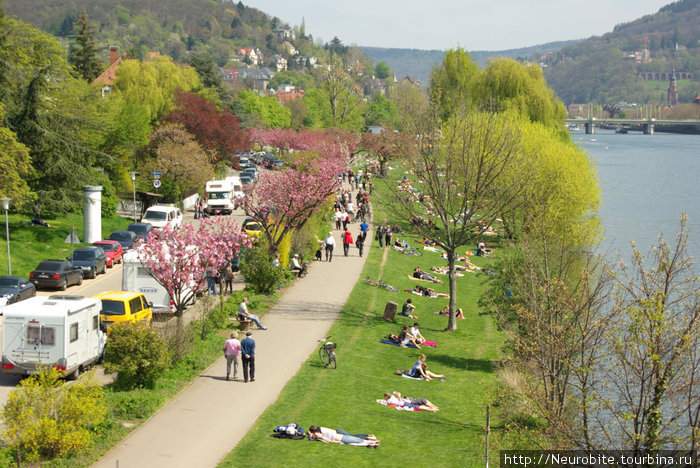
{"type": "Point", "coordinates": [470, 171]}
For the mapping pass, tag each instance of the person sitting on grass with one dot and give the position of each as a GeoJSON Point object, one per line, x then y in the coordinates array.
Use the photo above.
{"type": "Point", "coordinates": [405, 338]}
{"type": "Point", "coordinates": [339, 436]}
{"type": "Point", "coordinates": [415, 333]}
{"type": "Point", "coordinates": [407, 309]}
{"type": "Point", "coordinates": [420, 274]}
{"type": "Point", "coordinates": [420, 369]}
{"type": "Point", "coordinates": [396, 399]}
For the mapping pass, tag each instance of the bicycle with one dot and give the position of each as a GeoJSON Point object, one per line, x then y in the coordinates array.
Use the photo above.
{"type": "Point", "coordinates": [326, 353]}
{"type": "Point", "coordinates": [381, 284]}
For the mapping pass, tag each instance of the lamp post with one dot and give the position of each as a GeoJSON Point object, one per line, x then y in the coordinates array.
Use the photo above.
{"type": "Point", "coordinates": [6, 206]}
{"type": "Point", "coordinates": [133, 184]}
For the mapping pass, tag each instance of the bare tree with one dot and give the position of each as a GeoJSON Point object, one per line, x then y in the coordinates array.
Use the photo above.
{"type": "Point", "coordinates": [471, 171]}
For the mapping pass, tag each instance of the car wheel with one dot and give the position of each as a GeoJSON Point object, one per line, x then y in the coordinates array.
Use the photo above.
{"type": "Point", "coordinates": [104, 268]}
{"type": "Point", "coordinates": [64, 285]}
{"type": "Point", "coordinates": [80, 280]}
{"type": "Point", "coordinates": [75, 375]}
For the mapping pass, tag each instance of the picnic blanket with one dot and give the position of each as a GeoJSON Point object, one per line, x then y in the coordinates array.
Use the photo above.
{"type": "Point", "coordinates": [400, 408]}
{"type": "Point", "coordinates": [432, 249]}
{"type": "Point", "coordinates": [431, 344]}
{"type": "Point", "coordinates": [420, 279]}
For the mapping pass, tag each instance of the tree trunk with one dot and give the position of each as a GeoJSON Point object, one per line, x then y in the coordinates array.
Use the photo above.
{"type": "Point", "coordinates": [452, 321]}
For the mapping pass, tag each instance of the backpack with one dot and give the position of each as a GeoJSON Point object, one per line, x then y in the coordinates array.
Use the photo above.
{"type": "Point", "coordinates": [290, 431]}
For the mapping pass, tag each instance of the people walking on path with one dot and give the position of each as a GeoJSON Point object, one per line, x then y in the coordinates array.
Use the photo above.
{"type": "Point", "coordinates": [338, 217]}
{"type": "Point", "coordinates": [387, 236]}
{"type": "Point", "coordinates": [360, 242]}
{"type": "Point", "coordinates": [345, 218]}
{"type": "Point", "coordinates": [347, 241]}
{"type": "Point", "coordinates": [380, 235]}
{"type": "Point", "coordinates": [248, 357]}
{"type": "Point", "coordinates": [243, 313]}
{"type": "Point", "coordinates": [329, 242]}
{"type": "Point", "coordinates": [232, 348]}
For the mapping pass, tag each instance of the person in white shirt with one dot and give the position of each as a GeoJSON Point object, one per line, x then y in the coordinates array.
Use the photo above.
{"type": "Point", "coordinates": [329, 242]}
{"type": "Point", "coordinates": [338, 217]}
{"type": "Point", "coordinates": [296, 266]}
{"type": "Point", "coordinates": [415, 332]}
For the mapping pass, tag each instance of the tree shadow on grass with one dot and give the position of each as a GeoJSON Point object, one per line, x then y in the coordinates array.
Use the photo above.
{"type": "Point", "coordinates": [479, 365]}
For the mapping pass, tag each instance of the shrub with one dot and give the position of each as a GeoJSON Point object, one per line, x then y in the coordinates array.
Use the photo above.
{"type": "Point", "coordinates": [260, 274]}
{"type": "Point", "coordinates": [137, 354]}
{"type": "Point", "coordinates": [45, 419]}
{"type": "Point", "coordinates": [135, 404]}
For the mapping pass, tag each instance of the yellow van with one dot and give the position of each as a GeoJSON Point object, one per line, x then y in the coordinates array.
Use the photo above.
{"type": "Point", "coordinates": [124, 306]}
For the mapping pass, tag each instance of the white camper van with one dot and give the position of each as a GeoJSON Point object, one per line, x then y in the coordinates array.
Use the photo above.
{"type": "Point", "coordinates": [58, 331]}
{"type": "Point", "coordinates": [135, 277]}
{"type": "Point", "coordinates": [223, 196]}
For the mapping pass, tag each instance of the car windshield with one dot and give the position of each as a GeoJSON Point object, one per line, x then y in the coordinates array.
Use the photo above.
{"type": "Point", "coordinates": [50, 266]}
{"type": "Point", "coordinates": [107, 247]}
{"type": "Point", "coordinates": [120, 236]}
{"type": "Point", "coordinates": [9, 283]}
{"type": "Point", "coordinates": [138, 228]}
{"type": "Point", "coordinates": [83, 255]}
{"type": "Point", "coordinates": [156, 215]}
{"type": "Point", "coordinates": [253, 227]}
{"type": "Point", "coordinates": [112, 307]}
{"type": "Point", "coordinates": [218, 195]}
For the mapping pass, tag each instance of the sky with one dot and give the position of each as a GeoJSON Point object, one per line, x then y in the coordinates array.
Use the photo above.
{"type": "Point", "coordinates": [475, 25]}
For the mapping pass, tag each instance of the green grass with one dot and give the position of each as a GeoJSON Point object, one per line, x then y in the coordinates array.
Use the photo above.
{"type": "Point", "coordinates": [29, 245]}
{"type": "Point", "coordinates": [345, 397]}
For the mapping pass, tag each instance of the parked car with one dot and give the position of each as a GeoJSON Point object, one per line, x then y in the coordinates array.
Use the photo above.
{"type": "Point", "coordinates": [161, 215]}
{"type": "Point", "coordinates": [125, 238]}
{"type": "Point", "coordinates": [14, 289]}
{"type": "Point", "coordinates": [246, 179]}
{"type": "Point", "coordinates": [56, 274]}
{"type": "Point", "coordinates": [124, 306]}
{"type": "Point", "coordinates": [91, 260]}
{"type": "Point", "coordinates": [141, 229]}
{"type": "Point", "coordinates": [113, 250]}
{"type": "Point", "coordinates": [252, 227]}
{"type": "Point", "coordinates": [252, 173]}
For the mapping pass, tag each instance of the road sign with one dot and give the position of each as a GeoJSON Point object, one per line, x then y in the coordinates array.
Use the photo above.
{"type": "Point", "coordinates": [156, 183]}
{"type": "Point", "coordinates": [157, 174]}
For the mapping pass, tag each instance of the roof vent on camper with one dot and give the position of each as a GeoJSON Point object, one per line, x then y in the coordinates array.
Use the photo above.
{"type": "Point", "coordinates": [59, 297]}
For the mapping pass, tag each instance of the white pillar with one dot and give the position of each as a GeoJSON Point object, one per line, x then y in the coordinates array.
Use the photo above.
{"type": "Point", "coordinates": [92, 213]}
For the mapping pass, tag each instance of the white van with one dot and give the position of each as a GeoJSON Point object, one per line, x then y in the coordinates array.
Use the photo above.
{"type": "Point", "coordinates": [223, 196]}
{"type": "Point", "coordinates": [161, 215]}
{"type": "Point", "coordinates": [58, 331]}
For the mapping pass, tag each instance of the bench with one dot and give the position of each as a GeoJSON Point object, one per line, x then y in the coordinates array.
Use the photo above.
{"type": "Point", "coordinates": [243, 323]}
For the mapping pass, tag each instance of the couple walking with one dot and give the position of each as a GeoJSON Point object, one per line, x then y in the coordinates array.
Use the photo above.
{"type": "Point", "coordinates": [246, 349]}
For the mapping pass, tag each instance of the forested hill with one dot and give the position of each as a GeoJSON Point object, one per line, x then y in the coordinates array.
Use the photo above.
{"type": "Point", "coordinates": [172, 27]}
{"type": "Point", "coordinates": [607, 69]}
{"type": "Point", "coordinates": [418, 63]}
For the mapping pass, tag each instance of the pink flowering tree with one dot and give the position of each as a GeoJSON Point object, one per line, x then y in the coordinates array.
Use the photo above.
{"type": "Point", "coordinates": [179, 258]}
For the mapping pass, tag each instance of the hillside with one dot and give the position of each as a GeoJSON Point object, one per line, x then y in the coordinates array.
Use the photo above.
{"type": "Point", "coordinates": [418, 63]}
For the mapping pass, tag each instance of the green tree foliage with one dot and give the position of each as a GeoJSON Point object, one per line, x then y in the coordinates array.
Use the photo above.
{"type": "Point", "coordinates": [14, 159]}
{"type": "Point", "coordinates": [153, 84]}
{"type": "Point", "coordinates": [452, 83]}
{"type": "Point", "coordinates": [259, 271]}
{"type": "Point", "coordinates": [206, 68]}
{"type": "Point", "coordinates": [137, 354]}
{"type": "Point", "coordinates": [83, 55]}
{"type": "Point", "coordinates": [45, 418]}
{"type": "Point", "coordinates": [382, 70]}
{"type": "Point", "coordinates": [411, 104]}
{"type": "Point", "coordinates": [304, 81]}
{"type": "Point", "coordinates": [131, 128]}
{"type": "Point", "coordinates": [258, 111]}
{"type": "Point", "coordinates": [381, 111]}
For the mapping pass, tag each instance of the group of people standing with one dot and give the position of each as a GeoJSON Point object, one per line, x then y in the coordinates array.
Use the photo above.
{"type": "Point", "coordinates": [224, 278]}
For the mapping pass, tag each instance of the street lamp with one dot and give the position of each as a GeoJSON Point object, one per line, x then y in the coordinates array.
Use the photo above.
{"type": "Point", "coordinates": [6, 206]}
{"type": "Point", "coordinates": [133, 184]}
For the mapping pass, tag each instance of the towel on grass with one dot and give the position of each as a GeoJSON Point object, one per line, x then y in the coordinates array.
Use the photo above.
{"type": "Point", "coordinates": [432, 249]}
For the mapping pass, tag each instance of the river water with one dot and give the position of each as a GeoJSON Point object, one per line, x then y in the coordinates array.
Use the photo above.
{"type": "Point", "coordinates": [646, 182]}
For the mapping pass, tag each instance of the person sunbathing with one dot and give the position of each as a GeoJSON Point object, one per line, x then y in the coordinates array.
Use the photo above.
{"type": "Point", "coordinates": [420, 274]}
{"type": "Point", "coordinates": [420, 402]}
{"type": "Point", "coordinates": [446, 270]}
{"type": "Point", "coordinates": [457, 257]}
{"type": "Point", "coordinates": [339, 436]}
{"type": "Point", "coordinates": [446, 312]}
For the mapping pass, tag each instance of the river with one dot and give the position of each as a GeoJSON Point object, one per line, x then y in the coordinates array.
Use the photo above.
{"type": "Point", "coordinates": [646, 182]}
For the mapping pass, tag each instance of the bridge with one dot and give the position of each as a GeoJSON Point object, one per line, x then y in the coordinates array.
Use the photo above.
{"type": "Point", "coordinates": [647, 125]}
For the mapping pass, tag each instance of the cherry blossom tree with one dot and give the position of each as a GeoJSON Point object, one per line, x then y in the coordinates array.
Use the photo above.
{"type": "Point", "coordinates": [179, 258]}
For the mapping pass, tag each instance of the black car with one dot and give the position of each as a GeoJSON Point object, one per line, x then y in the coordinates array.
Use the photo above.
{"type": "Point", "coordinates": [15, 288]}
{"type": "Point", "coordinates": [91, 260]}
{"type": "Point", "coordinates": [125, 238]}
{"type": "Point", "coordinates": [141, 229]}
{"type": "Point", "coordinates": [56, 274]}
{"type": "Point", "coordinates": [246, 179]}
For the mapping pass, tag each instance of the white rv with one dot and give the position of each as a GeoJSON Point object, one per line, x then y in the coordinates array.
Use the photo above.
{"type": "Point", "coordinates": [135, 277]}
{"type": "Point", "coordinates": [223, 196]}
{"type": "Point", "coordinates": [58, 331]}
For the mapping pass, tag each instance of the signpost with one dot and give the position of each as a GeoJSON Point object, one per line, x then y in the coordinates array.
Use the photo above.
{"type": "Point", "coordinates": [156, 179]}
{"type": "Point", "coordinates": [156, 183]}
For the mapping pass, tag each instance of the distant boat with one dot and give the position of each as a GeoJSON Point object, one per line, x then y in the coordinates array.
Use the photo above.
{"type": "Point", "coordinates": [593, 139]}
{"type": "Point", "coordinates": [621, 130]}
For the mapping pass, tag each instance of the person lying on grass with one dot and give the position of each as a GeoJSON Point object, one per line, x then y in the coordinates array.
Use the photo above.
{"type": "Point", "coordinates": [396, 399]}
{"type": "Point", "coordinates": [339, 436]}
{"type": "Point", "coordinates": [420, 274]}
{"type": "Point", "coordinates": [446, 312]}
{"type": "Point", "coordinates": [445, 270]}
{"type": "Point", "coordinates": [423, 291]}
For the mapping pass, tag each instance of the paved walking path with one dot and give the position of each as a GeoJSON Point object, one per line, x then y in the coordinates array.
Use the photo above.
{"type": "Point", "coordinates": [207, 419]}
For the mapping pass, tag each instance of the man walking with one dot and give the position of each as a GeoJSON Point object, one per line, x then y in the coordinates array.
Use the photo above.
{"type": "Point", "coordinates": [360, 241]}
{"type": "Point", "coordinates": [329, 242]}
{"type": "Point", "coordinates": [248, 357]}
{"type": "Point", "coordinates": [232, 348]}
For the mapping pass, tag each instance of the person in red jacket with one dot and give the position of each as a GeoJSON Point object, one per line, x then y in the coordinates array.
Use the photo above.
{"type": "Point", "coordinates": [347, 241]}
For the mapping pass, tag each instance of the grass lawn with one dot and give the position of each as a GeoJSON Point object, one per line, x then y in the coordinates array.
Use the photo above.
{"type": "Point", "coordinates": [29, 245]}
{"type": "Point", "coordinates": [345, 397]}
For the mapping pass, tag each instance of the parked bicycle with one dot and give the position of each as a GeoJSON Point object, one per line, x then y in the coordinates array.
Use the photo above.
{"type": "Point", "coordinates": [327, 353]}
{"type": "Point", "coordinates": [381, 284]}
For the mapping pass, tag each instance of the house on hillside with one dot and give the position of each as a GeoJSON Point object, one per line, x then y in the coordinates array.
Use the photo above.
{"type": "Point", "coordinates": [108, 76]}
{"type": "Point", "coordinates": [255, 78]}
{"type": "Point", "coordinates": [291, 50]}
{"type": "Point", "coordinates": [228, 75]}
{"type": "Point", "coordinates": [278, 62]}
{"type": "Point", "coordinates": [253, 55]}
{"type": "Point", "coordinates": [304, 60]}
{"type": "Point", "coordinates": [285, 33]}
{"type": "Point", "coordinates": [374, 86]}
